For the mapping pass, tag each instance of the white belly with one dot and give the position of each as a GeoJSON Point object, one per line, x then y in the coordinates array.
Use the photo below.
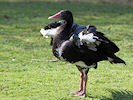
{"type": "Point", "coordinates": [83, 65]}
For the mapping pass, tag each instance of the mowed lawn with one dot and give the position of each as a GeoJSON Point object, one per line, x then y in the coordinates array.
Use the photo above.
{"type": "Point", "coordinates": [23, 78]}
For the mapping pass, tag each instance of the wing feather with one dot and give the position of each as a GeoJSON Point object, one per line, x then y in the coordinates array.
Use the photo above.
{"type": "Point", "coordinates": [96, 40]}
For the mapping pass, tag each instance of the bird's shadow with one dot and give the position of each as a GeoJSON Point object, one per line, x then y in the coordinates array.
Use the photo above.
{"type": "Point", "coordinates": [118, 95]}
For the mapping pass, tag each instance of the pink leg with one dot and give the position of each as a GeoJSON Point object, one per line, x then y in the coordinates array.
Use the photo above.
{"type": "Point", "coordinates": [83, 93]}
{"type": "Point", "coordinates": [81, 84]}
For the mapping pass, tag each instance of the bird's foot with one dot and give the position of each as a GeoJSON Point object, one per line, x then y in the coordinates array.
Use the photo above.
{"type": "Point", "coordinates": [81, 94]}
{"type": "Point", "coordinates": [76, 92]}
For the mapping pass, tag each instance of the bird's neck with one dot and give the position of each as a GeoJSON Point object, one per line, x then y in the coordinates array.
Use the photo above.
{"type": "Point", "coordinates": [67, 28]}
{"type": "Point", "coordinates": [62, 35]}
{"type": "Point", "coordinates": [64, 31]}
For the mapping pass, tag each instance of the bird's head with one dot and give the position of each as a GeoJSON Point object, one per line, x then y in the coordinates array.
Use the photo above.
{"type": "Point", "coordinates": [63, 14]}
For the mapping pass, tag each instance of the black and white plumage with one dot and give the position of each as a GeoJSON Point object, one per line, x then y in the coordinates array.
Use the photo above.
{"type": "Point", "coordinates": [51, 29]}
{"type": "Point", "coordinates": [84, 50]}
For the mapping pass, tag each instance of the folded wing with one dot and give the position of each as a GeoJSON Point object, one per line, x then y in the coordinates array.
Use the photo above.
{"type": "Point", "coordinates": [95, 40]}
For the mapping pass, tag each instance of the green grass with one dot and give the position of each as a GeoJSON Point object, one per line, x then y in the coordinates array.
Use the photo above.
{"type": "Point", "coordinates": [25, 79]}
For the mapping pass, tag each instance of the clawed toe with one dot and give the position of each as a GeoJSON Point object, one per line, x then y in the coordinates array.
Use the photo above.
{"type": "Point", "coordinates": [76, 92]}
{"type": "Point", "coordinates": [82, 95]}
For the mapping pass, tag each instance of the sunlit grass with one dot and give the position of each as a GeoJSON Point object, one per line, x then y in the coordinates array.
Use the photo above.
{"type": "Point", "coordinates": [22, 78]}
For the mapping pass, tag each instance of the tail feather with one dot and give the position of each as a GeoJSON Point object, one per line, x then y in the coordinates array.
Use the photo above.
{"type": "Point", "coordinates": [118, 60]}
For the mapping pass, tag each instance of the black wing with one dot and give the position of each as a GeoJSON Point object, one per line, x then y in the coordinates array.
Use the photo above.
{"type": "Point", "coordinates": [52, 25]}
{"type": "Point", "coordinates": [102, 43]}
{"type": "Point", "coordinates": [106, 44]}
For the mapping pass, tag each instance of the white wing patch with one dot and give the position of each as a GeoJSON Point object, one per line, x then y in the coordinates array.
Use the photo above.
{"type": "Point", "coordinates": [90, 40]}
{"type": "Point", "coordinates": [87, 37]}
{"type": "Point", "coordinates": [49, 32]}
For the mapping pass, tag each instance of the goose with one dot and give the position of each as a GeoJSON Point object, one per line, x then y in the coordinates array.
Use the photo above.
{"type": "Point", "coordinates": [84, 49]}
